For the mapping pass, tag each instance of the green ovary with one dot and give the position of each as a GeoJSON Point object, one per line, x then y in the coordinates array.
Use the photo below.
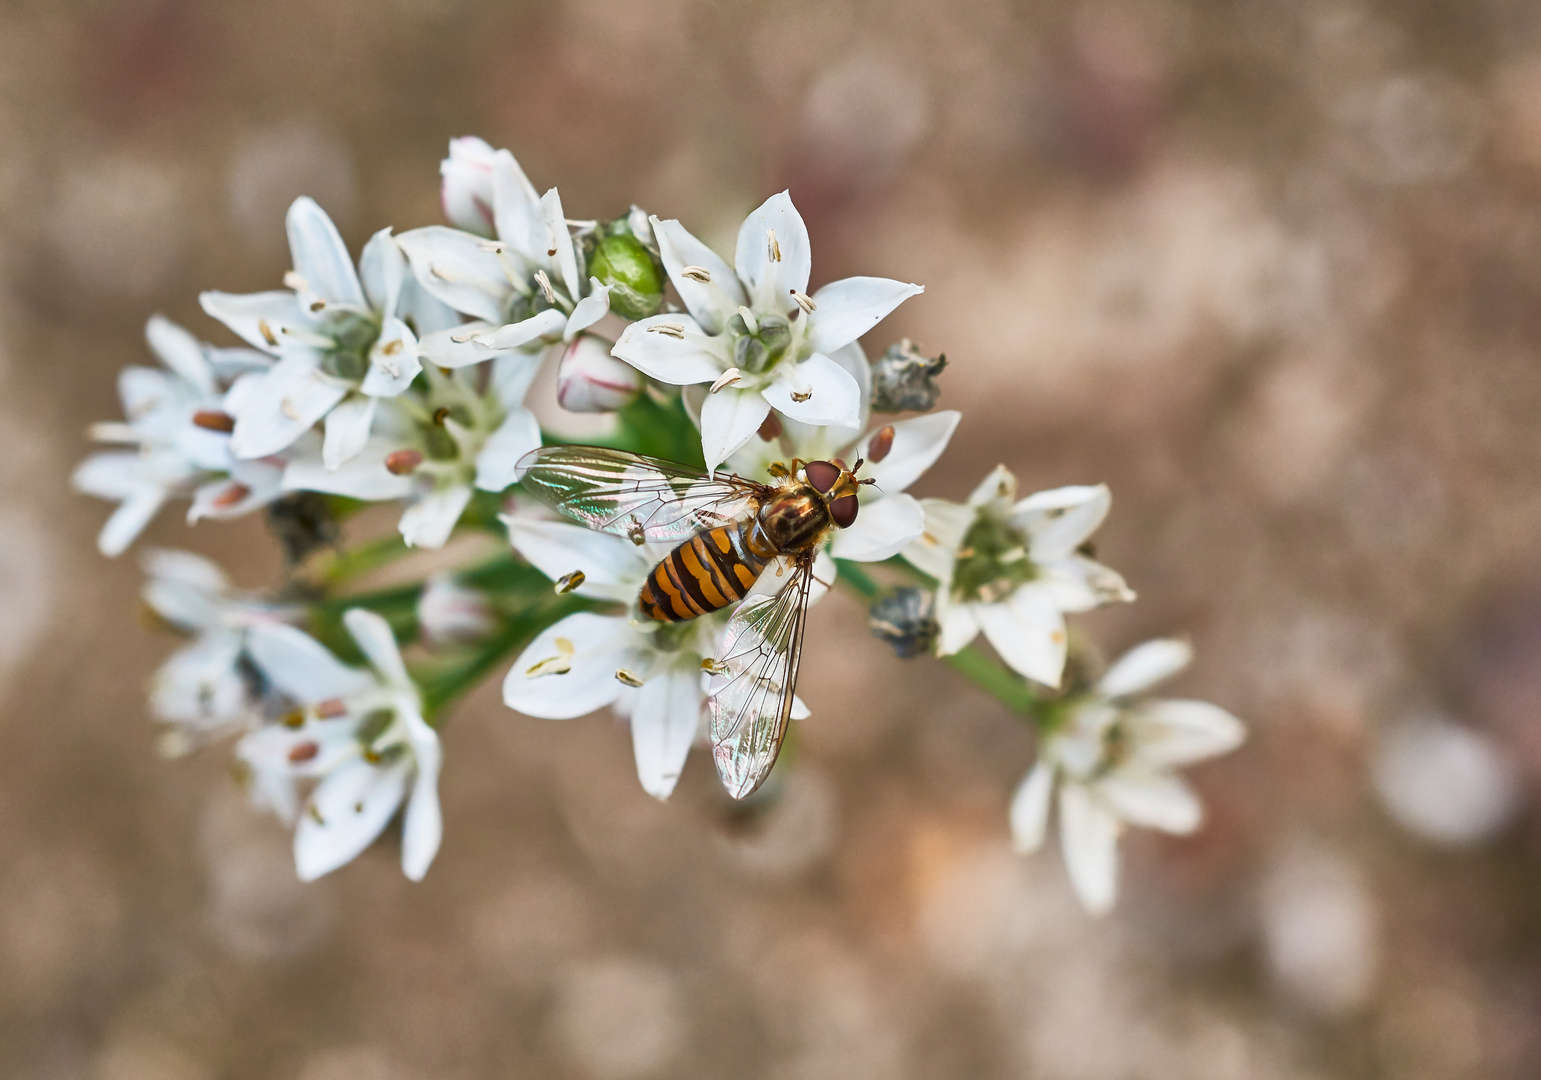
{"type": "Point", "coordinates": [992, 563]}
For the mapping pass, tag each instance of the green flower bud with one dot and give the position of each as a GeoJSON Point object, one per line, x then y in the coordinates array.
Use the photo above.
{"type": "Point", "coordinates": [636, 275]}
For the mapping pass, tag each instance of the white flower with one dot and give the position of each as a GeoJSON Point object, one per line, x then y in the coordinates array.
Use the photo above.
{"type": "Point", "coordinates": [753, 333]}
{"type": "Point", "coordinates": [344, 339]}
{"type": "Point", "coordinates": [524, 289]}
{"type": "Point", "coordinates": [204, 689]}
{"type": "Point", "coordinates": [1013, 569]}
{"type": "Point", "coordinates": [434, 448]}
{"type": "Point", "coordinates": [449, 613]}
{"type": "Point", "coordinates": [177, 424]}
{"type": "Point", "coordinates": [590, 380]}
{"type": "Point", "coordinates": [644, 669]}
{"type": "Point", "coordinates": [360, 734]}
{"type": "Point", "coordinates": [1114, 755]}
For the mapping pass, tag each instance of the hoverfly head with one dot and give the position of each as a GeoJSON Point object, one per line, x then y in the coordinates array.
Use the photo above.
{"type": "Point", "coordinates": [839, 486]}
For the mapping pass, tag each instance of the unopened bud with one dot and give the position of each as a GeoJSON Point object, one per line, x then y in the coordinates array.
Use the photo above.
{"type": "Point", "coordinates": [403, 462]}
{"type": "Point", "coordinates": [590, 380]}
{"type": "Point", "coordinates": [466, 188]}
{"type": "Point", "coordinates": [621, 260]}
{"type": "Point", "coordinates": [906, 619]}
{"type": "Point", "coordinates": [449, 613]}
{"type": "Point", "coordinates": [903, 380]}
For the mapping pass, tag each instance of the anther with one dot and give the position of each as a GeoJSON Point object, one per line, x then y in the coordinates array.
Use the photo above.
{"type": "Point", "coordinates": [287, 408]}
{"type": "Point", "coordinates": [804, 301]}
{"type": "Point", "coordinates": [560, 664]}
{"type": "Point", "coordinates": [801, 396]}
{"type": "Point", "coordinates": [772, 248]}
{"type": "Point", "coordinates": [304, 752]}
{"type": "Point", "coordinates": [293, 280]}
{"type": "Point", "coordinates": [668, 329]}
{"type": "Point", "coordinates": [545, 284]}
{"type": "Point", "coordinates": [403, 462]}
{"type": "Point", "coordinates": [568, 582]}
{"type": "Point", "coordinates": [267, 333]}
{"type": "Point", "coordinates": [698, 273]}
{"type": "Point", "coordinates": [214, 420]}
{"type": "Point", "coordinates": [439, 272]}
{"type": "Point", "coordinates": [392, 347]}
{"type": "Point", "coordinates": [624, 676]}
{"type": "Point", "coordinates": [293, 718]}
{"type": "Point", "coordinates": [440, 415]}
{"type": "Point", "coordinates": [331, 709]}
{"type": "Point", "coordinates": [231, 496]}
{"type": "Point", "coordinates": [464, 336]}
{"type": "Point", "coordinates": [880, 444]}
{"type": "Point", "coordinates": [727, 378]}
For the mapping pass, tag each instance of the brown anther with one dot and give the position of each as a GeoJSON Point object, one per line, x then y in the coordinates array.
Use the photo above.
{"type": "Point", "coordinates": [331, 709]}
{"type": "Point", "coordinates": [267, 333]}
{"type": "Point", "coordinates": [568, 582]}
{"type": "Point", "coordinates": [440, 415]}
{"type": "Point", "coordinates": [778, 469]}
{"type": "Point", "coordinates": [804, 396]}
{"type": "Point", "coordinates": [772, 248]}
{"type": "Point", "coordinates": [697, 273]}
{"type": "Point", "coordinates": [318, 305]}
{"type": "Point", "coordinates": [624, 676]}
{"type": "Point", "coordinates": [880, 444]}
{"type": "Point", "coordinates": [403, 462]}
{"type": "Point", "coordinates": [391, 348]}
{"type": "Point", "coordinates": [550, 252]}
{"type": "Point", "coordinates": [371, 757]}
{"type": "Point", "coordinates": [294, 719]}
{"type": "Point", "coordinates": [771, 428]}
{"type": "Point", "coordinates": [231, 496]}
{"type": "Point", "coordinates": [303, 752]}
{"type": "Point", "coordinates": [214, 420]}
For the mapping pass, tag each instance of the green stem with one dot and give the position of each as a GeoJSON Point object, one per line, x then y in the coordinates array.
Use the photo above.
{"type": "Point", "coordinates": [364, 558]}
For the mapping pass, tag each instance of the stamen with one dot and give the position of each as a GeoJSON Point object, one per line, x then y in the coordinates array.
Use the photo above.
{"type": "Point", "coordinates": [287, 408]}
{"type": "Point", "coordinates": [804, 301]}
{"type": "Point", "coordinates": [318, 305]}
{"type": "Point", "coordinates": [749, 320]}
{"type": "Point", "coordinates": [727, 378]}
{"type": "Point", "coordinates": [214, 420]}
{"type": "Point", "coordinates": [403, 462]}
{"type": "Point", "coordinates": [568, 582]}
{"type": "Point", "coordinates": [879, 445]}
{"type": "Point", "coordinates": [231, 496]}
{"type": "Point", "coordinates": [267, 332]}
{"type": "Point", "coordinates": [464, 336]}
{"type": "Point", "coordinates": [545, 284]}
{"type": "Point", "coordinates": [1016, 554]}
{"type": "Point", "coordinates": [622, 675]}
{"type": "Point", "coordinates": [697, 273]}
{"type": "Point", "coordinates": [801, 396]}
{"type": "Point", "coordinates": [315, 814]}
{"type": "Point", "coordinates": [331, 709]}
{"type": "Point", "coordinates": [304, 751]}
{"type": "Point", "coordinates": [494, 246]}
{"type": "Point", "coordinates": [293, 280]}
{"type": "Point", "coordinates": [439, 272]}
{"type": "Point", "coordinates": [668, 329]}
{"type": "Point", "coordinates": [293, 718]}
{"type": "Point", "coordinates": [440, 415]}
{"type": "Point", "coordinates": [392, 347]}
{"type": "Point", "coordinates": [772, 248]}
{"type": "Point", "coordinates": [560, 664]}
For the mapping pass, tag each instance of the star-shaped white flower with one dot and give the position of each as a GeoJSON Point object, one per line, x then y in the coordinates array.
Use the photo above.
{"type": "Point", "coordinates": [753, 333]}
{"type": "Point", "coordinates": [434, 449]}
{"type": "Point", "coordinates": [360, 734]}
{"type": "Point", "coordinates": [1114, 754]}
{"type": "Point", "coordinates": [522, 289]}
{"type": "Point", "coordinates": [203, 690]}
{"type": "Point", "coordinates": [1014, 568]}
{"type": "Point", "coordinates": [177, 437]}
{"type": "Point", "coordinates": [345, 339]}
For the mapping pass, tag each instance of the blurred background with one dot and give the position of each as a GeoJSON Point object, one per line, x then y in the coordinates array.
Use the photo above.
{"type": "Point", "coordinates": [1270, 268]}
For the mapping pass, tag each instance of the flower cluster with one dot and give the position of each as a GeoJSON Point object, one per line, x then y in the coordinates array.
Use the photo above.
{"type": "Point", "coordinates": [401, 377]}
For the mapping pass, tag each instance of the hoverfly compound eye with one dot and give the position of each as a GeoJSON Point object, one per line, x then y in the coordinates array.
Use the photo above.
{"type": "Point", "coordinates": [822, 475]}
{"type": "Point", "coordinates": [843, 510]}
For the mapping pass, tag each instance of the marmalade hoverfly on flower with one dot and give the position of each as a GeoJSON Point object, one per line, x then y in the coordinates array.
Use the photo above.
{"type": "Point", "coordinates": [728, 530]}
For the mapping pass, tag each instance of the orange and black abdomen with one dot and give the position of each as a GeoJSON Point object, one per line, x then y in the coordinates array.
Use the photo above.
{"type": "Point", "coordinates": [707, 572]}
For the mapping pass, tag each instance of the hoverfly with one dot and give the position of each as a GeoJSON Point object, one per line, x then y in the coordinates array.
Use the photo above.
{"type": "Point", "coordinates": [728, 530]}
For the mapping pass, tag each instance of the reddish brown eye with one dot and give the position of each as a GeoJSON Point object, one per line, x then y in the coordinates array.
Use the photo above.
{"type": "Point", "coordinates": [822, 475]}
{"type": "Point", "coordinates": [843, 510]}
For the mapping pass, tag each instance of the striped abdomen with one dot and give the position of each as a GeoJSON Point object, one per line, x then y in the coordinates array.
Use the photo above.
{"type": "Point", "coordinates": [707, 572]}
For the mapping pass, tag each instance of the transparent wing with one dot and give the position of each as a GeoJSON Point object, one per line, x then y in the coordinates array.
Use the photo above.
{"type": "Point", "coordinates": [642, 498]}
{"type": "Point", "coordinates": [751, 693]}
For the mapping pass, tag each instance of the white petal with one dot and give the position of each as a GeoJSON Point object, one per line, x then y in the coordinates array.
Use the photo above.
{"type": "Point", "coordinates": [456, 268]}
{"type": "Point", "coordinates": [382, 270]}
{"type": "Point", "coordinates": [515, 204]}
{"type": "Point", "coordinates": [466, 190]}
{"type": "Point", "coordinates": [375, 640]}
{"type": "Point", "coordinates": [458, 346]}
{"type": "Point", "coordinates": [1030, 808]}
{"type": "Point", "coordinates": [115, 475]}
{"type": "Point", "coordinates": [428, 522]}
{"type": "Point", "coordinates": [729, 419]}
{"type": "Point", "coordinates": [595, 645]}
{"type": "Point", "coordinates": [1181, 732]}
{"type": "Point", "coordinates": [664, 720]}
{"type": "Point", "coordinates": [347, 811]}
{"type": "Point", "coordinates": [999, 487]}
{"type": "Point", "coordinates": [613, 567]}
{"type": "Point", "coordinates": [832, 395]}
{"type": "Point", "coordinates": [556, 243]}
{"type": "Point", "coordinates": [512, 375]}
{"type": "Point", "coordinates": [1153, 800]}
{"type": "Point", "coordinates": [181, 352]}
{"type": "Point", "coordinates": [364, 477]}
{"type": "Point", "coordinates": [128, 521]}
{"type": "Point", "coordinates": [677, 360]}
{"type": "Point", "coordinates": [178, 579]}
{"type": "Point", "coordinates": [883, 527]}
{"type": "Point", "coordinates": [1088, 838]}
{"type": "Point", "coordinates": [541, 325]}
{"type": "Point", "coordinates": [257, 484]}
{"type": "Point", "coordinates": [959, 623]}
{"type": "Point", "coordinates": [320, 256]}
{"type": "Point", "coordinates": [496, 465]}
{"type": "Point", "coordinates": [712, 302]}
{"type": "Point", "coordinates": [422, 827]}
{"type": "Point", "coordinates": [590, 380]}
{"type": "Point", "coordinates": [393, 361]}
{"type": "Point", "coordinates": [917, 443]}
{"type": "Point", "coordinates": [290, 398]}
{"type": "Point", "coordinates": [300, 666]}
{"type": "Point", "coordinates": [774, 257]}
{"type": "Point", "coordinates": [1059, 521]}
{"type": "Point", "coordinates": [1028, 632]}
{"type": "Point", "coordinates": [589, 310]}
{"type": "Point", "coordinates": [258, 318]}
{"type": "Point", "coordinates": [347, 430]}
{"type": "Point", "coordinates": [1144, 666]}
{"type": "Point", "coordinates": [848, 309]}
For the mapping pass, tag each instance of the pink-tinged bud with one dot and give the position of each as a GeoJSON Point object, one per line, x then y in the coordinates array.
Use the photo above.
{"type": "Point", "coordinates": [449, 613]}
{"type": "Point", "coordinates": [590, 380]}
{"type": "Point", "coordinates": [403, 462]}
{"type": "Point", "coordinates": [466, 189]}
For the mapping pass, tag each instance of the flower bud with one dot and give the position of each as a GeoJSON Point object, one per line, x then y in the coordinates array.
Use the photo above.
{"type": "Point", "coordinates": [903, 380]}
{"type": "Point", "coordinates": [906, 619]}
{"type": "Point", "coordinates": [449, 613]}
{"type": "Point", "coordinates": [590, 380]}
{"type": "Point", "coordinates": [466, 188]}
{"type": "Point", "coordinates": [623, 261]}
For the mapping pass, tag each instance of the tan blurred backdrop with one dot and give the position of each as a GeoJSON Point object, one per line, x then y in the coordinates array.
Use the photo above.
{"type": "Point", "coordinates": [1270, 268]}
